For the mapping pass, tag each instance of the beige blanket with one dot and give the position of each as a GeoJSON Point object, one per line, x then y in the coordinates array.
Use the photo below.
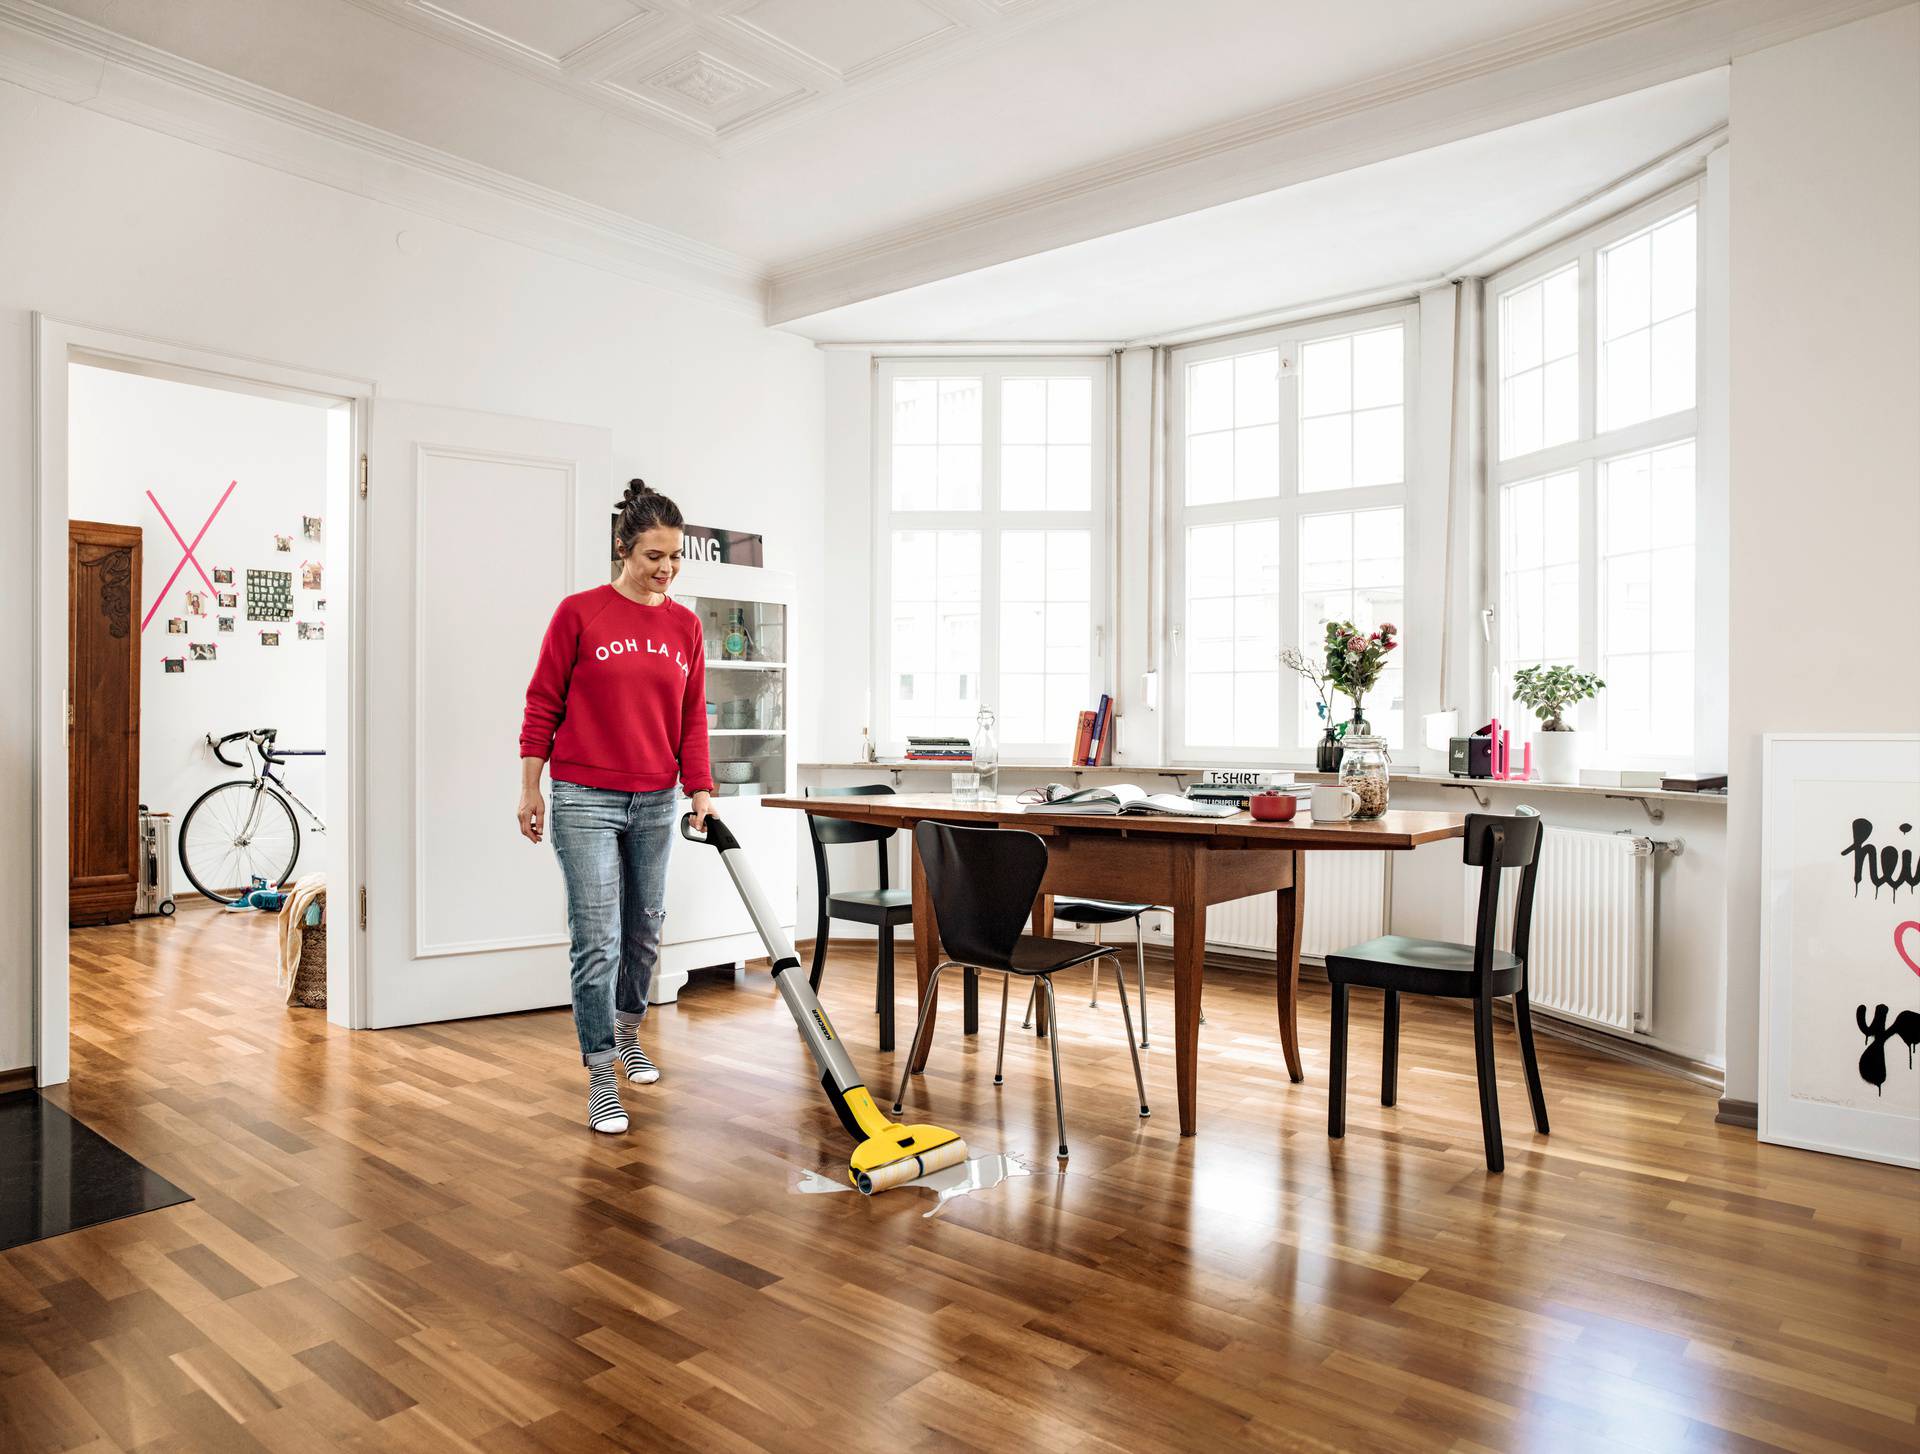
{"type": "Point", "coordinates": [293, 918]}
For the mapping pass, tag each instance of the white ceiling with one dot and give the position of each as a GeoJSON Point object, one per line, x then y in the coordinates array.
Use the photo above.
{"type": "Point", "coordinates": [822, 152]}
{"type": "Point", "coordinates": [1413, 219]}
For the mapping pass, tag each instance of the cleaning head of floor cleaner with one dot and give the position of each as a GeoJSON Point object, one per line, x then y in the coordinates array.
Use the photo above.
{"type": "Point", "coordinates": [901, 1154]}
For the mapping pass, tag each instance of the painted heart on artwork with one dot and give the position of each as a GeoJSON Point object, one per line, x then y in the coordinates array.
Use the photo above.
{"type": "Point", "coordinates": [1900, 948]}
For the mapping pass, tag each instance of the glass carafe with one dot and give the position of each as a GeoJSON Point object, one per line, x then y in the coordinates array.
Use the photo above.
{"type": "Point", "coordinates": [986, 757]}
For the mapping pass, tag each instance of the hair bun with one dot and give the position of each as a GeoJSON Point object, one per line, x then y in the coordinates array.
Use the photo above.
{"type": "Point", "coordinates": [635, 490]}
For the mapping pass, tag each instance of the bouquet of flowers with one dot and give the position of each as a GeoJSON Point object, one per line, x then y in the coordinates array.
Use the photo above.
{"type": "Point", "coordinates": [1355, 658]}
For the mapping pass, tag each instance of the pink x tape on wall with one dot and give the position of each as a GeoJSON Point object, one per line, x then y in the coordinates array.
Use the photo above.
{"type": "Point", "coordinates": [186, 549]}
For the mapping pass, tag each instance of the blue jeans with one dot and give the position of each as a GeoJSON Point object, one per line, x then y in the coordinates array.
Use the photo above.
{"type": "Point", "coordinates": [613, 854]}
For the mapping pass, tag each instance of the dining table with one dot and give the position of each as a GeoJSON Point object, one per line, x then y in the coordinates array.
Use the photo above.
{"type": "Point", "coordinates": [1177, 863]}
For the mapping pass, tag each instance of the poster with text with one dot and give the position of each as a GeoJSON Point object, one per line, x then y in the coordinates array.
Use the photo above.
{"type": "Point", "coordinates": [1841, 976]}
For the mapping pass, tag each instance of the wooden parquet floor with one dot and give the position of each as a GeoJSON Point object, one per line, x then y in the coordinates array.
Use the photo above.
{"type": "Point", "coordinates": [407, 1240]}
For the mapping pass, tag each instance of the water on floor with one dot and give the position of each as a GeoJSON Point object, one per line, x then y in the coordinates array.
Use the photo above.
{"type": "Point", "coordinates": [977, 1173]}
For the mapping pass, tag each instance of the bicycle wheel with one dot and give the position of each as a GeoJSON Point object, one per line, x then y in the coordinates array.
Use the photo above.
{"type": "Point", "coordinates": [235, 833]}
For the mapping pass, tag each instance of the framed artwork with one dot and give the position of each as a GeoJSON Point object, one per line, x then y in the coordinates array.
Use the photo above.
{"type": "Point", "coordinates": [1840, 944]}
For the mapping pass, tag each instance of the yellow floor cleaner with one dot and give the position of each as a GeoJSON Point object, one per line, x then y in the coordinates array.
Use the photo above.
{"type": "Point", "coordinates": [888, 1154]}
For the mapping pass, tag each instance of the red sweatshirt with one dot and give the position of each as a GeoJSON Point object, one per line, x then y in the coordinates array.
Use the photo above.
{"type": "Point", "coordinates": [619, 695]}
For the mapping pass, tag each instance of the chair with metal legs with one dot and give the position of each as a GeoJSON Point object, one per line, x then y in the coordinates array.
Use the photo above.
{"type": "Point", "coordinates": [1478, 972]}
{"type": "Point", "coordinates": [1093, 913]}
{"type": "Point", "coordinates": [983, 882]}
{"type": "Point", "coordinates": [883, 908]}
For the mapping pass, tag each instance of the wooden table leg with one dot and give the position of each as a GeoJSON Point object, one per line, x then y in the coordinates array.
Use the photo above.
{"type": "Point", "coordinates": [1188, 902]}
{"type": "Point", "coordinates": [1042, 926]}
{"type": "Point", "coordinates": [1290, 908]}
{"type": "Point", "coordinates": [926, 949]}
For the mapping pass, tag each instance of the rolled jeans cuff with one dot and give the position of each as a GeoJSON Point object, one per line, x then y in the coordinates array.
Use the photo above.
{"type": "Point", "coordinates": [630, 1017]}
{"type": "Point", "coordinates": [597, 1058]}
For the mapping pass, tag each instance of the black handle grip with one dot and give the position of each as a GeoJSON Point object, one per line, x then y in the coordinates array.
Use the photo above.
{"type": "Point", "coordinates": [222, 742]}
{"type": "Point", "coordinates": [716, 834]}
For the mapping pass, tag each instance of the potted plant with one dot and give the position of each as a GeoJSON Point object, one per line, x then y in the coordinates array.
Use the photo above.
{"type": "Point", "coordinates": [1355, 659]}
{"type": "Point", "coordinates": [1548, 692]}
{"type": "Point", "coordinates": [1327, 757]}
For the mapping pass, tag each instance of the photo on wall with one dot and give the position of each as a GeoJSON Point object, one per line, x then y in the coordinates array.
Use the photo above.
{"type": "Point", "coordinates": [226, 623]}
{"type": "Point", "coordinates": [311, 630]}
{"type": "Point", "coordinates": [283, 542]}
{"type": "Point", "coordinates": [171, 664]}
{"type": "Point", "coordinates": [176, 625]}
{"type": "Point", "coordinates": [227, 600]}
{"type": "Point", "coordinates": [223, 575]}
{"type": "Point", "coordinates": [310, 526]}
{"type": "Point", "coordinates": [269, 638]}
{"type": "Point", "coordinates": [202, 650]}
{"type": "Point", "coordinates": [309, 575]}
{"type": "Point", "coordinates": [196, 603]}
{"type": "Point", "coordinates": [269, 595]}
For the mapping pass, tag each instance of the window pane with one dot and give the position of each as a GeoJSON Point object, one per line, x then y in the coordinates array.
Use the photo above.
{"type": "Point", "coordinates": [1377, 446]}
{"type": "Point", "coordinates": [1647, 299]}
{"type": "Point", "coordinates": [1560, 402]}
{"type": "Point", "coordinates": [1210, 561]}
{"type": "Point", "coordinates": [915, 413]}
{"type": "Point", "coordinates": [960, 411]}
{"type": "Point", "coordinates": [1647, 602]}
{"type": "Point", "coordinates": [1326, 377]}
{"type": "Point", "coordinates": [1023, 411]}
{"type": "Point", "coordinates": [1674, 267]}
{"type": "Point", "coordinates": [959, 485]}
{"type": "Point", "coordinates": [1256, 388]}
{"type": "Point", "coordinates": [1364, 547]}
{"type": "Point", "coordinates": [1326, 453]}
{"type": "Point", "coordinates": [1023, 477]}
{"type": "Point", "coordinates": [1671, 386]}
{"type": "Point", "coordinates": [915, 472]}
{"type": "Point", "coordinates": [1069, 411]}
{"type": "Point", "coordinates": [1560, 313]}
{"type": "Point", "coordinates": [1256, 462]}
{"type": "Point", "coordinates": [1231, 634]}
{"type": "Point", "coordinates": [1625, 277]}
{"type": "Point", "coordinates": [1378, 376]}
{"type": "Point", "coordinates": [1539, 610]}
{"type": "Point", "coordinates": [1069, 476]}
{"type": "Point", "coordinates": [1209, 468]}
{"type": "Point", "coordinates": [1623, 380]}
{"type": "Point", "coordinates": [1520, 334]}
{"type": "Point", "coordinates": [1520, 414]}
{"type": "Point", "coordinates": [1045, 590]}
{"type": "Point", "coordinates": [1210, 396]}
{"type": "Point", "coordinates": [934, 671]}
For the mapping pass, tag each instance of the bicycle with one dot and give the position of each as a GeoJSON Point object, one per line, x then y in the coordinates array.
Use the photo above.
{"type": "Point", "coordinates": [241, 835]}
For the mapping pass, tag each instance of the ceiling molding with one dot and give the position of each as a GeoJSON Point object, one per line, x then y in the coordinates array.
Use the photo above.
{"type": "Point", "coordinates": [1612, 49]}
{"type": "Point", "coordinates": [72, 60]}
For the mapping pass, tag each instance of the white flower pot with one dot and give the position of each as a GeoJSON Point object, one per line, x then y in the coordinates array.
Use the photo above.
{"type": "Point", "coordinates": [1557, 755]}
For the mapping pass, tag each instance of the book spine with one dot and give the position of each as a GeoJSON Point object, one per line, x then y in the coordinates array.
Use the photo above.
{"type": "Point", "coordinates": [1099, 730]}
{"type": "Point", "coordinates": [1083, 734]}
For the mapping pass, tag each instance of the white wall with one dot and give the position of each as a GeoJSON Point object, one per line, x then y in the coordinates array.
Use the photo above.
{"type": "Point", "coordinates": [130, 434]}
{"type": "Point", "coordinates": [125, 228]}
{"type": "Point", "coordinates": [1825, 459]}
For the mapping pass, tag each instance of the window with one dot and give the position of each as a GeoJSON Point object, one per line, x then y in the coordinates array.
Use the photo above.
{"type": "Point", "coordinates": [1288, 477]}
{"type": "Point", "coordinates": [992, 503]}
{"type": "Point", "coordinates": [1594, 527]}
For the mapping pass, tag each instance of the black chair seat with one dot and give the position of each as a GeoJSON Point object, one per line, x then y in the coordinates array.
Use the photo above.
{"type": "Point", "coordinates": [1096, 911]}
{"type": "Point", "coordinates": [1034, 955]}
{"type": "Point", "coordinates": [1420, 966]}
{"type": "Point", "coordinates": [871, 906]}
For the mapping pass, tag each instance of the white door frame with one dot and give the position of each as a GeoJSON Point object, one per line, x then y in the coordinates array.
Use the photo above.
{"type": "Point", "coordinates": [56, 344]}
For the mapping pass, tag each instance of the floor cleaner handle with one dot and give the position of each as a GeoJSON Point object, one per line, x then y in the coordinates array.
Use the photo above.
{"type": "Point", "coordinates": [716, 834]}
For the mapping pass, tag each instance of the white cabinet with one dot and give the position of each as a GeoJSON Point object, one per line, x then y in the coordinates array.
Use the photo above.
{"type": "Point", "coordinates": [746, 614]}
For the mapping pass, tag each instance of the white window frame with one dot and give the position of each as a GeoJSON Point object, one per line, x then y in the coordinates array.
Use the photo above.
{"type": "Point", "coordinates": [991, 521]}
{"type": "Point", "coordinates": [1288, 506]}
{"type": "Point", "coordinates": [1588, 450]}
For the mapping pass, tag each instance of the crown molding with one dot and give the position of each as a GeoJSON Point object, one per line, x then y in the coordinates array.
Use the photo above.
{"type": "Point", "coordinates": [86, 65]}
{"type": "Point", "coordinates": [1610, 50]}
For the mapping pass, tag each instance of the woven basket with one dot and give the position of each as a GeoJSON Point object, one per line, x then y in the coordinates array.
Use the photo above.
{"type": "Point", "coordinates": [310, 979]}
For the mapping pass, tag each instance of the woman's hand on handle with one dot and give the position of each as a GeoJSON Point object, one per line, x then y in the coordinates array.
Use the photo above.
{"type": "Point", "coordinates": [533, 807]}
{"type": "Point", "coordinates": [702, 805]}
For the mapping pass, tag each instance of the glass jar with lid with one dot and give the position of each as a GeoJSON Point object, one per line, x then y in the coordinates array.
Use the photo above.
{"type": "Point", "coordinates": [1363, 768]}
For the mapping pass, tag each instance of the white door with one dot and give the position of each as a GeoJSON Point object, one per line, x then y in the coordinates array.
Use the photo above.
{"type": "Point", "coordinates": [477, 525]}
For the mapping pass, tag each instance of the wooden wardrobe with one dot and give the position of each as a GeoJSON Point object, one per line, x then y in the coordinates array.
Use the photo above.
{"type": "Point", "coordinates": [103, 721]}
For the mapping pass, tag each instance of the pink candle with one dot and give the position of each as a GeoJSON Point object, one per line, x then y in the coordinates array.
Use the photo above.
{"type": "Point", "coordinates": [1526, 762]}
{"type": "Point", "coordinates": [1493, 748]}
{"type": "Point", "coordinates": [1506, 753]}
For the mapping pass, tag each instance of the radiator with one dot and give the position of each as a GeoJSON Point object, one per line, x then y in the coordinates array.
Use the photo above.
{"type": "Point", "coordinates": [1593, 927]}
{"type": "Point", "coordinates": [1346, 902]}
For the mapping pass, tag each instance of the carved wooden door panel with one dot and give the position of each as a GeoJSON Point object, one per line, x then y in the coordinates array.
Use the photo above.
{"type": "Point", "coordinates": [103, 720]}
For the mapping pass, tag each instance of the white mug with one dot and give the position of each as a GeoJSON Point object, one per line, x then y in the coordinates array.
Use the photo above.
{"type": "Point", "coordinates": [1334, 804]}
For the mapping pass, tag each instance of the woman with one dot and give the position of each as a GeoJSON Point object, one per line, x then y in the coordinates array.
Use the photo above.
{"type": "Point", "coordinates": [618, 701]}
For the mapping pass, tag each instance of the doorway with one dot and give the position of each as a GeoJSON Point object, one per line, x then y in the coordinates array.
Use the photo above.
{"type": "Point", "coordinates": [215, 500]}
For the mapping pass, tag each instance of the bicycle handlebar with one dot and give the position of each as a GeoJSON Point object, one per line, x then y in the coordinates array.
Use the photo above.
{"type": "Point", "coordinates": [266, 736]}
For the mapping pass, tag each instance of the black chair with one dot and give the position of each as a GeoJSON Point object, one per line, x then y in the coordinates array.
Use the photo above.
{"type": "Point", "coordinates": [883, 907]}
{"type": "Point", "coordinates": [1096, 914]}
{"type": "Point", "coordinates": [983, 882]}
{"type": "Point", "coordinates": [1476, 972]}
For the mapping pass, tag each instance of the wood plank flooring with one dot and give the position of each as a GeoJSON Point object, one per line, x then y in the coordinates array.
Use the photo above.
{"type": "Point", "coordinates": [407, 1240]}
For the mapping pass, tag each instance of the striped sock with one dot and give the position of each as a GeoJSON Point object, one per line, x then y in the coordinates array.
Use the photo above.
{"type": "Point", "coordinates": [603, 1101]}
{"type": "Point", "coordinates": [640, 1070]}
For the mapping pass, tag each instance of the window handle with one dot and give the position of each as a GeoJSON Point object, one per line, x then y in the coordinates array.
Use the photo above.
{"type": "Point", "coordinates": [1486, 623]}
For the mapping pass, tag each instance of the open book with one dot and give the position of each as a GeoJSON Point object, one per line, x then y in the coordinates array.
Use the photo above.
{"type": "Point", "coordinates": [1116, 798]}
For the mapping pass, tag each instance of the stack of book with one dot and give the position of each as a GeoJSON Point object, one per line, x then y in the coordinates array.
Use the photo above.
{"type": "Point", "coordinates": [1235, 785]}
{"type": "Point", "coordinates": [1093, 736]}
{"type": "Point", "coordinates": [939, 749]}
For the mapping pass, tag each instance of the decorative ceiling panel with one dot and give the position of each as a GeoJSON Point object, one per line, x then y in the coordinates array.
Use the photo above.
{"type": "Point", "coordinates": [848, 35]}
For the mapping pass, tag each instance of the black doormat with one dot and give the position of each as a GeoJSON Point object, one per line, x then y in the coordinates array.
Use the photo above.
{"type": "Point", "coordinates": [56, 1175]}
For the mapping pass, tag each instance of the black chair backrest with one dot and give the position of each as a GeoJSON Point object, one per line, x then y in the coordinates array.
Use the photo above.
{"type": "Point", "coordinates": [826, 832]}
{"type": "Point", "coordinates": [1493, 844]}
{"type": "Point", "coordinates": [983, 882]}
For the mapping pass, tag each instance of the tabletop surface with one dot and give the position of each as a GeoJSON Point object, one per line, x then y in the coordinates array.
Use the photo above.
{"type": "Point", "coordinates": [1396, 828]}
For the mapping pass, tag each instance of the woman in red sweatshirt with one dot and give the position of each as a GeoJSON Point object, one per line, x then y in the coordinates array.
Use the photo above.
{"type": "Point", "coordinates": [618, 703]}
